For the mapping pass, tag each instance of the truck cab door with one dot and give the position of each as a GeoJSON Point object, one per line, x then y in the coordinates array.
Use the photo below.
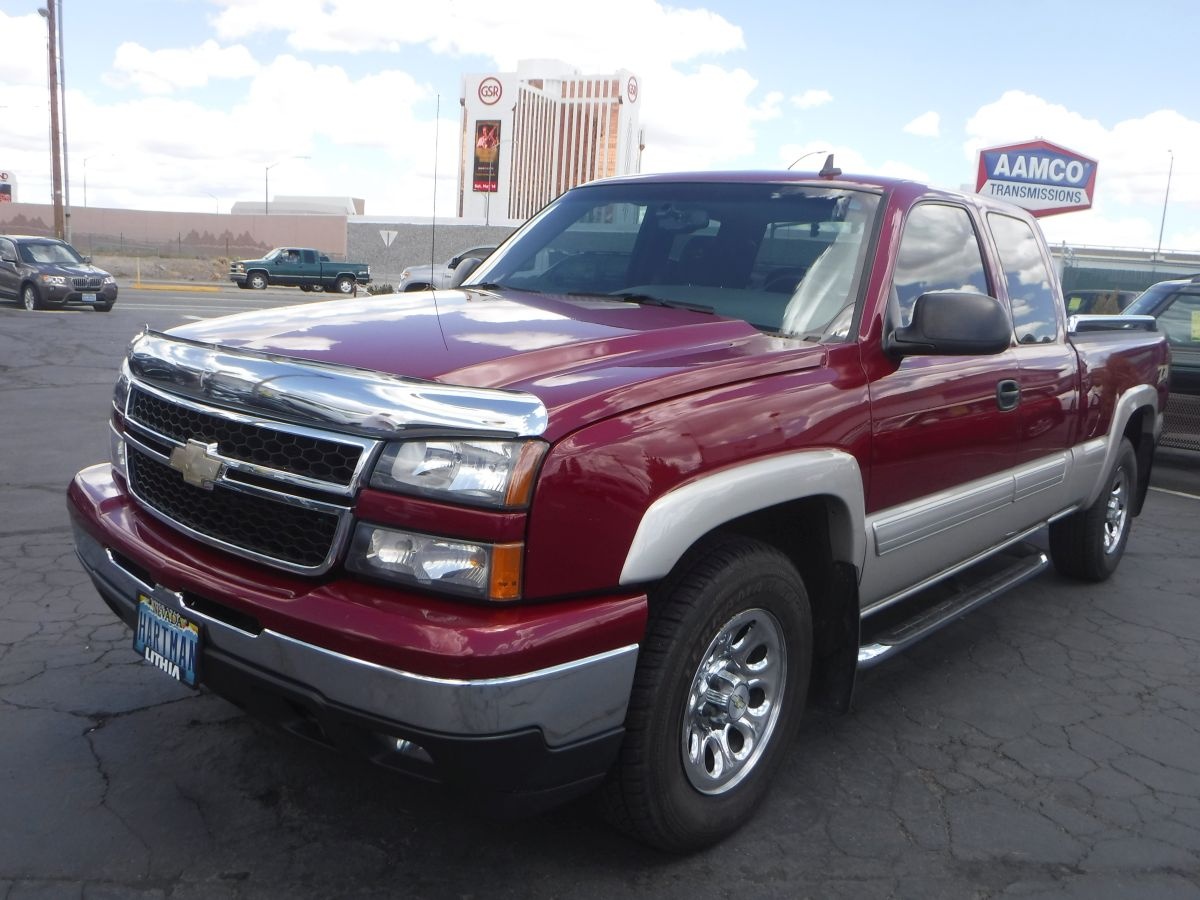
{"type": "Point", "coordinates": [944, 429]}
{"type": "Point", "coordinates": [309, 270]}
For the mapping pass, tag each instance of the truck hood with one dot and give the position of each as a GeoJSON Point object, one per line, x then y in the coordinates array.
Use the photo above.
{"type": "Point", "coordinates": [583, 357]}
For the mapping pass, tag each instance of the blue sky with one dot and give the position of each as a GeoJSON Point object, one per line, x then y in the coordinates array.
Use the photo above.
{"type": "Point", "coordinates": [182, 104]}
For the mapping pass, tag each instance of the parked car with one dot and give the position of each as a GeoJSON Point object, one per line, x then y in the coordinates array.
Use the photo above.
{"type": "Point", "coordinates": [1097, 302]}
{"type": "Point", "coordinates": [422, 278]}
{"type": "Point", "coordinates": [302, 267]}
{"type": "Point", "coordinates": [1176, 307]}
{"type": "Point", "coordinates": [44, 272]}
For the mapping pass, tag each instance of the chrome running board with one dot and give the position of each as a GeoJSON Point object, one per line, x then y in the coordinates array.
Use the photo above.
{"type": "Point", "coordinates": [1031, 561]}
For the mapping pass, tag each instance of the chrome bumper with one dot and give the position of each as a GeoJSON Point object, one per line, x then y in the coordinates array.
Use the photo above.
{"type": "Point", "coordinates": [567, 703]}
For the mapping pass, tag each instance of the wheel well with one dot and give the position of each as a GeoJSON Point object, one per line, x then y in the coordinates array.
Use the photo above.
{"type": "Point", "coordinates": [1139, 431]}
{"type": "Point", "coordinates": [805, 532]}
{"type": "Point", "coordinates": [416, 286]}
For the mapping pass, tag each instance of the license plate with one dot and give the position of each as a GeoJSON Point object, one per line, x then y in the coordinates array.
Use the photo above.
{"type": "Point", "coordinates": [168, 640]}
{"type": "Point", "coordinates": [89, 298]}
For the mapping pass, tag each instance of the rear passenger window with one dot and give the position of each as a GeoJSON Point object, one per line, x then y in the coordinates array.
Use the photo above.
{"type": "Point", "coordinates": [1034, 307]}
{"type": "Point", "coordinates": [939, 251]}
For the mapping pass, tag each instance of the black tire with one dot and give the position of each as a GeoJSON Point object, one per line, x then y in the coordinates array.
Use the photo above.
{"type": "Point", "coordinates": [306, 288]}
{"type": "Point", "coordinates": [243, 285]}
{"type": "Point", "coordinates": [1089, 544]}
{"type": "Point", "coordinates": [345, 284]}
{"type": "Point", "coordinates": [31, 297]}
{"type": "Point", "coordinates": [103, 307]}
{"type": "Point", "coordinates": [257, 281]}
{"type": "Point", "coordinates": [732, 623]}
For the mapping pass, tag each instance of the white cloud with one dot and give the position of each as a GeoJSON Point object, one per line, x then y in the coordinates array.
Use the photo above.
{"type": "Point", "coordinates": [925, 125]}
{"type": "Point", "coordinates": [811, 98]}
{"type": "Point", "coordinates": [23, 60]}
{"type": "Point", "coordinates": [166, 71]}
{"type": "Point", "coordinates": [631, 30]}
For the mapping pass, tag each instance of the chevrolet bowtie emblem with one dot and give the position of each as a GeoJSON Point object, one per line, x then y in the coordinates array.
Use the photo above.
{"type": "Point", "coordinates": [195, 461]}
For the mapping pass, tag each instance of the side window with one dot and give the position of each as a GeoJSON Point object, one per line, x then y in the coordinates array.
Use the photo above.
{"type": "Point", "coordinates": [939, 251]}
{"type": "Point", "coordinates": [1181, 321]}
{"type": "Point", "coordinates": [1034, 307]}
{"type": "Point", "coordinates": [309, 256]}
{"type": "Point", "coordinates": [7, 250]}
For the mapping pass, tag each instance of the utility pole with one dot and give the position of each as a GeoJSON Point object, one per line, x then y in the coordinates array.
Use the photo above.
{"type": "Point", "coordinates": [62, 90]}
{"type": "Point", "coordinates": [47, 13]}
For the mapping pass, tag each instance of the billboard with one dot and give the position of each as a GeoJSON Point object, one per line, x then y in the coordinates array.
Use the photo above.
{"type": "Point", "coordinates": [486, 176]}
{"type": "Point", "coordinates": [1042, 177]}
{"type": "Point", "coordinates": [8, 186]}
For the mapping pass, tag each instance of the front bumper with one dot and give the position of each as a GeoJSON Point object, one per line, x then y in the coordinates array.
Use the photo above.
{"type": "Point", "coordinates": [59, 294]}
{"type": "Point", "coordinates": [536, 736]}
{"type": "Point", "coordinates": [238, 278]}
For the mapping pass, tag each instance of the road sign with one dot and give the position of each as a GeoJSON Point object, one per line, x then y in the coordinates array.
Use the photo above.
{"type": "Point", "coordinates": [1042, 177]}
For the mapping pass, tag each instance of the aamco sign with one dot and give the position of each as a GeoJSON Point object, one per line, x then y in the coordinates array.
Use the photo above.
{"type": "Point", "coordinates": [1042, 177]}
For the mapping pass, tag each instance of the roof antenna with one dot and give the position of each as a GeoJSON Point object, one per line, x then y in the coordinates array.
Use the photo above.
{"type": "Point", "coordinates": [437, 122]}
{"type": "Point", "coordinates": [829, 170]}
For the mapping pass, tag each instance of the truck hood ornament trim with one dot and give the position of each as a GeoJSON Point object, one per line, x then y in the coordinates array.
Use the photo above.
{"type": "Point", "coordinates": [341, 398]}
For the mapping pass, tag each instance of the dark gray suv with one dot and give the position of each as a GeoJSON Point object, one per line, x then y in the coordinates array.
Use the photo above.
{"type": "Point", "coordinates": [1176, 306]}
{"type": "Point", "coordinates": [44, 272]}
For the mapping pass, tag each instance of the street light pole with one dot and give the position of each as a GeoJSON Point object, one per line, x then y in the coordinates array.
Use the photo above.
{"type": "Point", "coordinates": [216, 203]}
{"type": "Point", "coordinates": [47, 13]}
{"type": "Point", "coordinates": [267, 182]}
{"type": "Point", "coordinates": [1166, 196]}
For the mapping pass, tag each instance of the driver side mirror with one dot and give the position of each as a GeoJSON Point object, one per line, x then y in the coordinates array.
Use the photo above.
{"type": "Point", "coordinates": [953, 323]}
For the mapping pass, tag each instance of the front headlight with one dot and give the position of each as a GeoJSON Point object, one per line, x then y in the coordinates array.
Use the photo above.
{"type": "Point", "coordinates": [481, 571]}
{"type": "Point", "coordinates": [56, 280]}
{"type": "Point", "coordinates": [108, 279]}
{"type": "Point", "coordinates": [474, 472]}
{"type": "Point", "coordinates": [404, 274]}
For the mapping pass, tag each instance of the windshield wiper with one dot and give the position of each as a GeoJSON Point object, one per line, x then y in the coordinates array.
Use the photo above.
{"type": "Point", "coordinates": [648, 300]}
{"type": "Point", "coordinates": [497, 286]}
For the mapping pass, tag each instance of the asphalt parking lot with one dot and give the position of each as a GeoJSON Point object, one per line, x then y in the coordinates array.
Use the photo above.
{"type": "Point", "coordinates": [1046, 746]}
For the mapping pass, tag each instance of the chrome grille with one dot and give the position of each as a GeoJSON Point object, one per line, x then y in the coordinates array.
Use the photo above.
{"type": "Point", "coordinates": [275, 448]}
{"type": "Point", "coordinates": [280, 494]}
{"type": "Point", "coordinates": [275, 529]}
{"type": "Point", "coordinates": [88, 282]}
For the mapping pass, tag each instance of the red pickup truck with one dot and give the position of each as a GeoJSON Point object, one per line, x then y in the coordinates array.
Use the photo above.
{"type": "Point", "coordinates": [684, 455]}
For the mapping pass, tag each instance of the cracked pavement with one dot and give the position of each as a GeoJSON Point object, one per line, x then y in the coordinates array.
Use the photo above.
{"type": "Point", "coordinates": [1048, 745]}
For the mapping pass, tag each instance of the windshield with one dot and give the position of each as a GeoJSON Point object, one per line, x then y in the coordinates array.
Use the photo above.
{"type": "Point", "coordinates": [50, 253]}
{"type": "Point", "coordinates": [1148, 299]}
{"type": "Point", "coordinates": [785, 257]}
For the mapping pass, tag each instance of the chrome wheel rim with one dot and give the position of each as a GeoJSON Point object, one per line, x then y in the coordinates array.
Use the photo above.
{"type": "Point", "coordinates": [734, 701]}
{"type": "Point", "coordinates": [29, 299]}
{"type": "Point", "coordinates": [346, 286]}
{"type": "Point", "coordinates": [1116, 514]}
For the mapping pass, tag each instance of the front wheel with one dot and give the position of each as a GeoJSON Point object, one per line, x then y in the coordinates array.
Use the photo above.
{"type": "Point", "coordinates": [31, 298]}
{"type": "Point", "coordinates": [717, 696]}
{"type": "Point", "coordinates": [1089, 544]}
{"type": "Point", "coordinates": [257, 280]}
{"type": "Point", "coordinates": [103, 307]}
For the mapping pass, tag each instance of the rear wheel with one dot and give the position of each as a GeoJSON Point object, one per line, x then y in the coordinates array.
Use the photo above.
{"type": "Point", "coordinates": [345, 284]}
{"type": "Point", "coordinates": [1089, 544]}
{"type": "Point", "coordinates": [257, 280]}
{"type": "Point", "coordinates": [31, 297]}
{"type": "Point", "coordinates": [306, 288]}
{"type": "Point", "coordinates": [717, 697]}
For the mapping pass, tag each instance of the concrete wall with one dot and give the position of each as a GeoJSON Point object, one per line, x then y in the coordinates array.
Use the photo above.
{"type": "Point", "coordinates": [146, 232]}
{"type": "Point", "coordinates": [412, 244]}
